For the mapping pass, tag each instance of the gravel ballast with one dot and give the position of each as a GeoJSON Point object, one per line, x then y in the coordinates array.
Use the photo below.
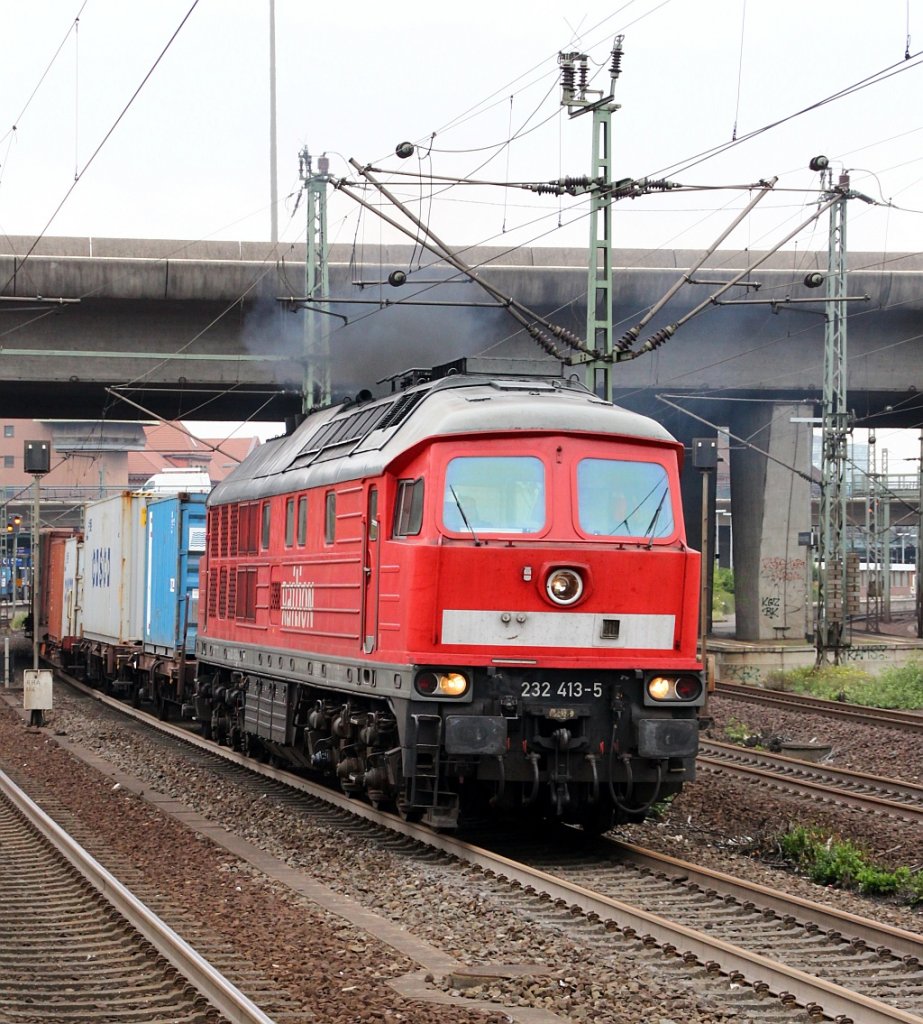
{"type": "Point", "coordinates": [340, 974]}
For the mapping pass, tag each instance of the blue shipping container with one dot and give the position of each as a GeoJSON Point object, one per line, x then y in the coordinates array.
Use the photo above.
{"type": "Point", "coordinates": [175, 542]}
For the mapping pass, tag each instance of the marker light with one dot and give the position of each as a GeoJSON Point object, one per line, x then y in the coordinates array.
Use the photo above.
{"type": "Point", "coordinates": [659, 687]}
{"type": "Point", "coordinates": [564, 586]}
{"type": "Point", "coordinates": [681, 688]}
{"type": "Point", "coordinates": [441, 684]}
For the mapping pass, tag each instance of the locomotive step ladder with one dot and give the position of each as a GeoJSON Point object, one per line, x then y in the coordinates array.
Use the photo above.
{"type": "Point", "coordinates": [424, 761]}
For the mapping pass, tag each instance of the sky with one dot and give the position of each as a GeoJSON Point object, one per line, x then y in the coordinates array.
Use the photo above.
{"type": "Point", "coordinates": [151, 119]}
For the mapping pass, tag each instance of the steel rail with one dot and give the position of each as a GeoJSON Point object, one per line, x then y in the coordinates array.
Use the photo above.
{"type": "Point", "coordinates": [873, 933]}
{"type": "Point", "coordinates": [786, 982]}
{"type": "Point", "coordinates": [890, 718]}
{"type": "Point", "coordinates": [212, 985]}
{"type": "Point", "coordinates": [817, 789]}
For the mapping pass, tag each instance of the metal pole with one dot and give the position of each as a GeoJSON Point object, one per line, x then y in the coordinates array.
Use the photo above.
{"type": "Point", "coordinates": [704, 592]}
{"type": "Point", "coordinates": [917, 559]}
{"type": "Point", "coordinates": [273, 172]}
{"type": "Point", "coordinates": [35, 569]}
{"type": "Point", "coordinates": [832, 616]}
{"type": "Point", "coordinates": [14, 567]}
{"type": "Point", "coordinates": [6, 662]}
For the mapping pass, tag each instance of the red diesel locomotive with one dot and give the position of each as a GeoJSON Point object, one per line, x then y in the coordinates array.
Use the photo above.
{"type": "Point", "coordinates": [472, 595]}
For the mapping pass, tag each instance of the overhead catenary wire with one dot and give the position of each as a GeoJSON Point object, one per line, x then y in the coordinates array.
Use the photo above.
{"type": "Point", "coordinates": [79, 173]}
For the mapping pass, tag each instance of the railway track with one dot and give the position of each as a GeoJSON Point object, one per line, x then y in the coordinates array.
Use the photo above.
{"type": "Point", "coordinates": [824, 783]}
{"type": "Point", "coordinates": [765, 943]}
{"type": "Point", "coordinates": [76, 945]}
{"type": "Point", "coordinates": [911, 721]}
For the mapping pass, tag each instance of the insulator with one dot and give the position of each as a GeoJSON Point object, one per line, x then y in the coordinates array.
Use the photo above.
{"type": "Point", "coordinates": [628, 339]}
{"type": "Point", "coordinates": [615, 68]}
{"type": "Point", "coordinates": [566, 335]}
{"type": "Point", "coordinates": [582, 182]}
{"type": "Point", "coordinates": [567, 77]}
{"type": "Point", "coordinates": [657, 339]}
{"type": "Point", "coordinates": [546, 343]}
{"type": "Point", "coordinates": [404, 150]}
{"type": "Point", "coordinates": [584, 79]}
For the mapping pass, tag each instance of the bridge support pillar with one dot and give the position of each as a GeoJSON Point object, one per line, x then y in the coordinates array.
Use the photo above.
{"type": "Point", "coordinates": [770, 505]}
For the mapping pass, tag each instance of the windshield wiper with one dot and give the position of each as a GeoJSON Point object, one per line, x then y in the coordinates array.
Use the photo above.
{"type": "Point", "coordinates": [652, 525]}
{"type": "Point", "coordinates": [464, 517]}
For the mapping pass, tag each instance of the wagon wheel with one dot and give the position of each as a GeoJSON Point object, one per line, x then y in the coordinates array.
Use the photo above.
{"type": "Point", "coordinates": [161, 704]}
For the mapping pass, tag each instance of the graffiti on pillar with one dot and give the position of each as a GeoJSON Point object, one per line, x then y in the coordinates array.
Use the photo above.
{"type": "Point", "coordinates": [782, 570]}
{"type": "Point", "coordinates": [864, 654]}
{"type": "Point", "coordinates": [775, 597]}
{"type": "Point", "coordinates": [742, 673]}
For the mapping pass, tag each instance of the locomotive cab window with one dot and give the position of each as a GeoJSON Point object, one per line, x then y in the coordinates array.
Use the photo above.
{"type": "Point", "coordinates": [497, 494]}
{"type": "Point", "coordinates": [289, 522]}
{"type": "Point", "coordinates": [330, 517]}
{"type": "Point", "coordinates": [302, 520]}
{"type": "Point", "coordinates": [266, 521]}
{"type": "Point", "coordinates": [618, 498]}
{"type": "Point", "coordinates": [408, 508]}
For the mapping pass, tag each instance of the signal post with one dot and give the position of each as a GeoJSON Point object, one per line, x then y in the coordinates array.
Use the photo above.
{"type": "Point", "coordinates": [36, 682]}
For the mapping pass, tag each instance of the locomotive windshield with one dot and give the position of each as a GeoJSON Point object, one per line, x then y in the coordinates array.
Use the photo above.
{"type": "Point", "coordinates": [497, 494]}
{"type": "Point", "coordinates": [616, 498]}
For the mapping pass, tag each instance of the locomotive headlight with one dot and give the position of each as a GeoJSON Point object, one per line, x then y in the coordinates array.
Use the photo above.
{"type": "Point", "coordinates": [441, 684]}
{"type": "Point", "coordinates": [678, 688]}
{"type": "Point", "coordinates": [660, 687]}
{"type": "Point", "coordinates": [564, 586]}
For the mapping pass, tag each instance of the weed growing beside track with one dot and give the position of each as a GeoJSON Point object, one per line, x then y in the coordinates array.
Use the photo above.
{"type": "Point", "coordinates": [900, 688]}
{"type": "Point", "coordinates": [828, 860]}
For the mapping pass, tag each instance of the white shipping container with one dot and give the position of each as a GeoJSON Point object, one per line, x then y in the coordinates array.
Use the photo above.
{"type": "Point", "coordinates": [113, 568]}
{"type": "Point", "coordinates": [71, 617]}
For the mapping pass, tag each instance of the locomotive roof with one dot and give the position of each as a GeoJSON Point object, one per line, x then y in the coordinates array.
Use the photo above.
{"type": "Point", "coordinates": [350, 441]}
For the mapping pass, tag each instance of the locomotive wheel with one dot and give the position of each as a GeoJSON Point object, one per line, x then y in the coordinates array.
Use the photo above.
{"type": "Point", "coordinates": [597, 819]}
{"type": "Point", "coordinates": [408, 812]}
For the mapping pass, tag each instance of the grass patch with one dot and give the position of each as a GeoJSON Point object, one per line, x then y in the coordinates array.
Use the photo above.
{"type": "Point", "coordinates": [830, 861]}
{"type": "Point", "coordinates": [722, 601]}
{"type": "Point", "coordinates": [737, 732]}
{"type": "Point", "coordinates": [899, 687]}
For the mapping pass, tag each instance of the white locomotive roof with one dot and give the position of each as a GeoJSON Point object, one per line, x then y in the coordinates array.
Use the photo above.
{"type": "Point", "coordinates": [351, 441]}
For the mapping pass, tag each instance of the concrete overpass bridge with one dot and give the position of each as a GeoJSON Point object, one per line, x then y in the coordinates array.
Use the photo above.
{"type": "Point", "coordinates": [196, 330]}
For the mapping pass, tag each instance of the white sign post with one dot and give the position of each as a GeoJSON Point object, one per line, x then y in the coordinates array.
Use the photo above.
{"type": "Point", "coordinates": [36, 693]}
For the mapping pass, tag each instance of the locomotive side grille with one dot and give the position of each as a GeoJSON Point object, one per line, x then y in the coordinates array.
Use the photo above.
{"type": "Point", "coordinates": [609, 629]}
{"type": "Point", "coordinates": [232, 594]}
{"type": "Point", "coordinates": [212, 607]}
{"type": "Point", "coordinates": [213, 538]}
{"type": "Point", "coordinates": [342, 432]}
{"type": "Point", "coordinates": [232, 530]}
{"type": "Point", "coordinates": [223, 595]}
{"type": "Point", "coordinates": [223, 530]}
{"type": "Point", "coordinates": [275, 596]}
{"type": "Point", "coordinates": [401, 408]}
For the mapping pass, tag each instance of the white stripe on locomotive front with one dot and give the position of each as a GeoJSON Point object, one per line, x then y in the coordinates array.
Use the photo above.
{"type": "Point", "coordinates": [556, 629]}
